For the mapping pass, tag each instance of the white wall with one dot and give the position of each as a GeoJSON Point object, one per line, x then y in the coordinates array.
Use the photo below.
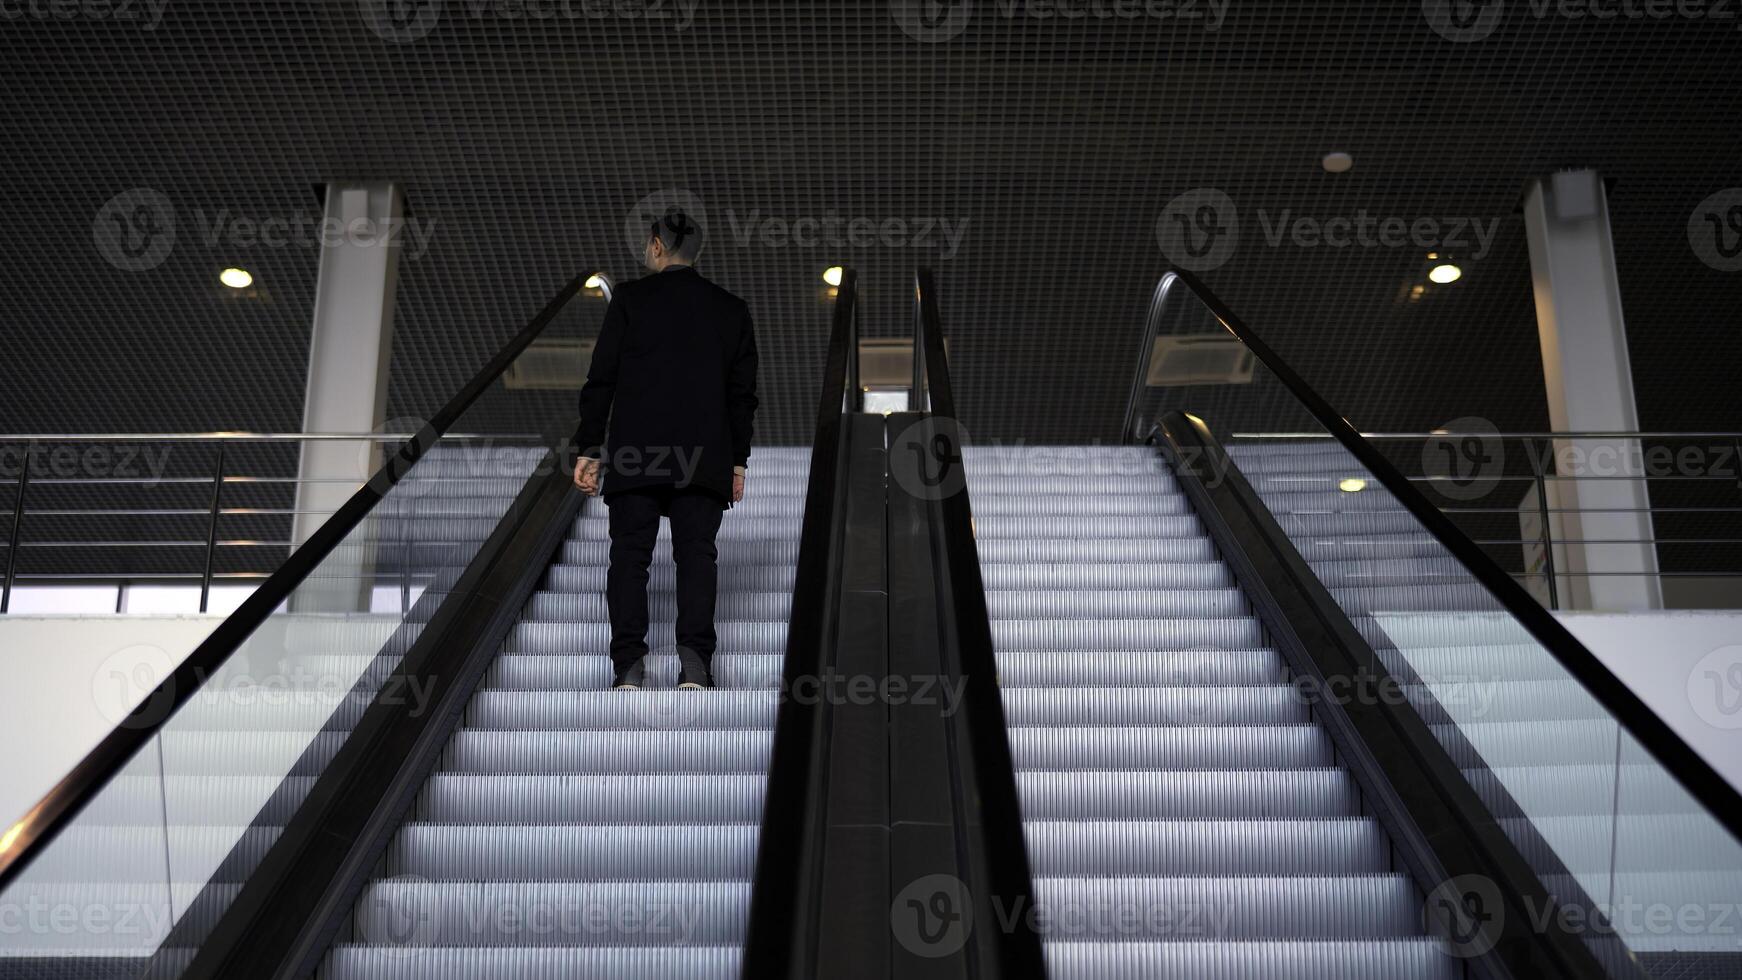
{"type": "Point", "coordinates": [1686, 665]}
{"type": "Point", "coordinates": [65, 681]}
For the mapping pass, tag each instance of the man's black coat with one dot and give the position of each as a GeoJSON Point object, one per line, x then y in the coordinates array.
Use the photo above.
{"type": "Point", "coordinates": [671, 394]}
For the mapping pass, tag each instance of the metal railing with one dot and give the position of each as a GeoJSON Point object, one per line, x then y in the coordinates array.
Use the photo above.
{"type": "Point", "coordinates": [46, 475]}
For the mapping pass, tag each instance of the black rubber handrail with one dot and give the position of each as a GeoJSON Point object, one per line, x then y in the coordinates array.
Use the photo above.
{"type": "Point", "coordinates": [999, 872]}
{"type": "Point", "coordinates": [782, 938]}
{"type": "Point", "coordinates": [1721, 800]}
{"type": "Point", "coordinates": [27, 839]}
{"type": "Point", "coordinates": [1441, 828]}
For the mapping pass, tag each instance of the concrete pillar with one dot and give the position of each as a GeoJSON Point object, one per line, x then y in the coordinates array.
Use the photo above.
{"type": "Point", "coordinates": [1605, 523]}
{"type": "Point", "coordinates": [349, 349]}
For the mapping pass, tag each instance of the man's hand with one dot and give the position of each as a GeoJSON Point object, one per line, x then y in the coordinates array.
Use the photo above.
{"type": "Point", "coordinates": [738, 487]}
{"type": "Point", "coordinates": [587, 476]}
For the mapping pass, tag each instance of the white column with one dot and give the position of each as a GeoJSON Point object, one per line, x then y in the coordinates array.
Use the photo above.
{"type": "Point", "coordinates": [1590, 389]}
{"type": "Point", "coordinates": [349, 349]}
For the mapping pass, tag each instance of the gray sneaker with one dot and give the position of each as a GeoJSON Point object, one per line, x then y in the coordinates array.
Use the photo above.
{"type": "Point", "coordinates": [693, 673]}
{"type": "Point", "coordinates": [632, 677]}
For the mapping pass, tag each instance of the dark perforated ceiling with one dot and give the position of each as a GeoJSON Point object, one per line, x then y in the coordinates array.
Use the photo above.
{"type": "Point", "coordinates": [1026, 154]}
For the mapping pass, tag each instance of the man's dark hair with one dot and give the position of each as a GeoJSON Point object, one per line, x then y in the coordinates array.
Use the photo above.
{"type": "Point", "coordinates": [680, 235]}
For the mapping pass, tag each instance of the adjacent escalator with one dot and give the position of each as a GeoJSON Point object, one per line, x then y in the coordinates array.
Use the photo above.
{"type": "Point", "coordinates": [1184, 813]}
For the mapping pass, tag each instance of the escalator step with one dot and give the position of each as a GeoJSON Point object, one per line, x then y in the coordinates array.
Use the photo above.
{"type": "Point", "coordinates": [1365, 959]}
{"type": "Point", "coordinates": [1121, 849]}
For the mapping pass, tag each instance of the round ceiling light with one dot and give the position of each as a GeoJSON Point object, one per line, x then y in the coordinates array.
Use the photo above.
{"type": "Point", "coordinates": [1443, 274]}
{"type": "Point", "coordinates": [236, 278]}
{"type": "Point", "coordinates": [1338, 163]}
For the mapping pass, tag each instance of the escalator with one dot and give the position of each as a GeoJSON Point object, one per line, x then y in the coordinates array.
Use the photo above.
{"type": "Point", "coordinates": [1590, 807]}
{"type": "Point", "coordinates": [573, 830]}
{"type": "Point", "coordinates": [1144, 766]}
{"type": "Point", "coordinates": [1273, 728]}
{"type": "Point", "coordinates": [470, 798]}
{"type": "Point", "coordinates": [1184, 813]}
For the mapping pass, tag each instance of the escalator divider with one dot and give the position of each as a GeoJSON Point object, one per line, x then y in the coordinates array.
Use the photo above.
{"type": "Point", "coordinates": [1005, 941]}
{"type": "Point", "coordinates": [296, 901]}
{"type": "Point", "coordinates": [783, 936]}
{"type": "Point", "coordinates": [1444, 835]}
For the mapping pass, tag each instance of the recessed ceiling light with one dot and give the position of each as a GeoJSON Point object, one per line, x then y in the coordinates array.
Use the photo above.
{"type": "Point", "coordinates": [1338, 163]}
{"type": "Point", "coordinates": [1431, 256]}
{"type": "Point", "coordinates": [832, 275]}
{"type": "Point", "coordinates": [1443, 274]}
{"type": "Point", "coordinates": [236, 278]}
{"type": "Point", "coordinates": [594, 281]}
{"type": "Point", "coordinates": [1353, 484]}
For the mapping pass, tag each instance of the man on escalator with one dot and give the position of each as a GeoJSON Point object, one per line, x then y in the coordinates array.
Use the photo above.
{"type": "Point", "coordinates": [666, 418]}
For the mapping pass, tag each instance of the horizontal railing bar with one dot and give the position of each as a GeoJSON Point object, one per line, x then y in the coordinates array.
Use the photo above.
{"type": "Point", "coordinates": [1583, 540]}
{"type": "Point", "coordinates": [239, 543]}
{"type": "Point", "coordinates": [263, 437]}
{"type": "Point", "coordinates": [1495, 435]}
{"type": "Point", "coordinates": [1502, 511]}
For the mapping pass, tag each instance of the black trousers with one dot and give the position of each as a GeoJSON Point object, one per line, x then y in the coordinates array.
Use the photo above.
{"type": "Point", "coordinates": [634, 521]}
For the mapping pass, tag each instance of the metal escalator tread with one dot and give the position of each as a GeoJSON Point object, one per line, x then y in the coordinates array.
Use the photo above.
{"type": "Point", "coordinates": [575, 831]}
{"type": "Point", "coordinates": [1184, 813]}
